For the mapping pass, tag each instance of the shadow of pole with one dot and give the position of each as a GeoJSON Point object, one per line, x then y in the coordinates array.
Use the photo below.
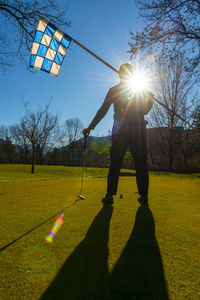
{"type": "Point", "coordinates": [139, 272]}
{"type": "Point", "coordinates": [86, 269]}
{"type": "Point", "coordinates": [37, 226]}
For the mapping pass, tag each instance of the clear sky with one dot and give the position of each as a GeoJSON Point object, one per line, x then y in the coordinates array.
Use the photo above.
{"type": "Point", "coordinates": [79, 90]}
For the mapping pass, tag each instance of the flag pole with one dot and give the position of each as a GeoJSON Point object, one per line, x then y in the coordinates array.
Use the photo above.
{"type": "Point", "coordinates": [115, 70]}
{"type": "Point", "coordinates": [96, 56]}
{"type": "Point", "coordinates": [171, 111]}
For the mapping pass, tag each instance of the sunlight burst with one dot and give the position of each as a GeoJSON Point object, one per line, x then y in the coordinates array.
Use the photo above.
{"type": "Point", "coordinates": [139, 82]}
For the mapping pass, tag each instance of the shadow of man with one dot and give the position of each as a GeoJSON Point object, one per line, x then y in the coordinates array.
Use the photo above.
{"type": "Point", "coordinates": [139, 273]}
{"type": "Point", "coordinates": [85, 271]}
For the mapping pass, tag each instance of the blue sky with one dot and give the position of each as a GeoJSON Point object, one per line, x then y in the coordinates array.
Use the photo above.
{"type": "Point", "coordinates": [80, 88]}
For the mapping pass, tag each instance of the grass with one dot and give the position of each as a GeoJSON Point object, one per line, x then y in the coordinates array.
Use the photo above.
{"type": "Point", "coordinates": [124, 252]}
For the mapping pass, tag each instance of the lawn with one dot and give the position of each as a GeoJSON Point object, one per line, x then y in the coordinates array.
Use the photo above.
{"type": "Point", "coordinates": [122, 252]}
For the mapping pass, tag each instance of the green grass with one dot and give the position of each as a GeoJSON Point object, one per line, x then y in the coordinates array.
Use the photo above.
{"type": "Point", "coordinates": [124, 252]}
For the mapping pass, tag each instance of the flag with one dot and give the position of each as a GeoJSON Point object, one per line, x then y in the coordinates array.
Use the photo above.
{"type": "Point", "coordinates": [49, 48]}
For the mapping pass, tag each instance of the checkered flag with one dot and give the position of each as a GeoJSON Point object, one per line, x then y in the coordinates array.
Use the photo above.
{"type": "Point", "coordinates": [49, 48]}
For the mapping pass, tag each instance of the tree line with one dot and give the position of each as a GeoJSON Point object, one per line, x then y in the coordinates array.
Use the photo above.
{"type": "Point", "coordinates": [39, 138]}
{"type": "Point", "coordinates": [37, 132]}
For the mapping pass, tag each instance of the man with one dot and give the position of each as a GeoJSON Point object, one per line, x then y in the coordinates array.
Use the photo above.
{"type": "Point", "coordinates": [129, 130]}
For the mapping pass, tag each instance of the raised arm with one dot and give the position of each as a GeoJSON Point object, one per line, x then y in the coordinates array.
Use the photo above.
{"type": "Point", "coordinates": [100, 113]}
{"type": "Point", "coordinates": [102, 110]}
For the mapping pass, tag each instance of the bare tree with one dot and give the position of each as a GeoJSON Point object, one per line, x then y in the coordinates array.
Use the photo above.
{"type": "Point", "coordinates": [21, 142]}
{"type": "Point", "coordinates": [69, 133]}
{"type": "Point", "coordinates": [174, 23]}
{"type": "Point", "coordinates": [173, 88]}
{"type": "Point", "coordinates": [196, 121]}
{"type": "Point", "coordinates": [3, 132]}
{"type": "Point", "coordinates": [7, 146]}
{"type": "Point", "coordinates": [18, 22]}
{"type": "Point", "coordinates": [46, 126]}
{"type": "Point", "coordinates": [36, 128]}
{"type": "Point", "coordinates": [196, 130]}
{"type": "Point", "coordinates": [73, 129]}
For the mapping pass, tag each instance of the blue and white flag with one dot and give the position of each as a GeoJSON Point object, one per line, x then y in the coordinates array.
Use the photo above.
{"type": "Point", "coordinates": [49, 48]}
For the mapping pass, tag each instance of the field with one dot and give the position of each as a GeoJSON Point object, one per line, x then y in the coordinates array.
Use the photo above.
{"type": "Point", "coordinates": [121, 252]}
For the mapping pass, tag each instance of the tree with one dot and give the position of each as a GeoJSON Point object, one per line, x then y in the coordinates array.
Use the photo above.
{"type": "Point", "coordinates": [196, 130]}
{"type": "Point", "coordinates": [53, 157]}
{"type": "Point", "coordinates": [19, 19]}
{"type": "Point", "coordinates": [173, 88]}
{"type": "Point", "coordinates": [105, 152]}
{"type": "Point", "coordinates": [128, 162]}
{"type": "Point", "coordinates": [196, 116]}
{"type": "Point", "coordinates": [174, 23]}
{"type": "Point", "coordinates": [69, 133]}
{"type": "Point", "coordinates": [7, 148]}
{"type": "Point", "coordinates": [46, 126]}
{"type": "Point", "coordinates": [37, 127]}
{"type": "Point", "coordinates": [21, 141]}
{"type": "Point", "coordinates": [3, 132]}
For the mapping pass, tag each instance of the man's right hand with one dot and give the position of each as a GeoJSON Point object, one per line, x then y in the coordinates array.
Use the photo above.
{"type": "Point", "coordinates": [86, 132]}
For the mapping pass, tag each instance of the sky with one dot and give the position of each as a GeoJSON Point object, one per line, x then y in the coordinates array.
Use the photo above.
{"type": "Point", "coordinates": [83, 82]}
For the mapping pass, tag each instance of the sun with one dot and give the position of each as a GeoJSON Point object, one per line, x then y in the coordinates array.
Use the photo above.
{"type": "Point", "coordinates": [139, 82]}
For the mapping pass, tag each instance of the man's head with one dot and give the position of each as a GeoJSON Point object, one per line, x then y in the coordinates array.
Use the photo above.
{"type": "Point", "coordinates": [126, 70]}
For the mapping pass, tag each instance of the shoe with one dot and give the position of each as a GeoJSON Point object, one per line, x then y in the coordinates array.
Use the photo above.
{"type": "Point", "coordinates": [107, 199]}
{"type": "Point", "coordinates": [143, 200]}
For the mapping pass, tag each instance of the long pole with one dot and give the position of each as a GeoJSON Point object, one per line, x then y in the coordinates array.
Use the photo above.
{"type": "Point", "coordinates": [170, 110]}
{"type": "Point", "coordinates": [96, 56]}
{"type": "Point", "coordinates": [115, 70]}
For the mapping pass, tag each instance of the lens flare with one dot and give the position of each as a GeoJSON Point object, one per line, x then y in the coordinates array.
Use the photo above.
{"type": "Point", "coordinates": [56, 226]}
{"type": "Point", "coordinates": [139, 82]}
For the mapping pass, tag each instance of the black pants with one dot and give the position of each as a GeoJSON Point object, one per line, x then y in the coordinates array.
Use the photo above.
{"type": "Point", "coordinates": [133, 136]}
